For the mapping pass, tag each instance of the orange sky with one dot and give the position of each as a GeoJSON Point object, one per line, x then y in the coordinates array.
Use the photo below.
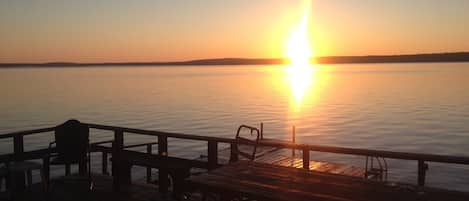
{"type": "Point", "coordinates": [99, 31]}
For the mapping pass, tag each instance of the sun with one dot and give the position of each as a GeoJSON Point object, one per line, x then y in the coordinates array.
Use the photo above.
{"type": "Point", "coordinates": [300, 70]}
{"type": "Point", "coordinates": [298, 50]}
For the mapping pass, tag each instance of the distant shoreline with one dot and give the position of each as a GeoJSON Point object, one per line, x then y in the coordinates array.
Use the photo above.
{"type": "Point", "coordinates": [409, 58]}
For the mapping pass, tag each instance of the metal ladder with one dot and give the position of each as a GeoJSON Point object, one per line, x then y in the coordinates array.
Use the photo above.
{"type": "Point", "coordinates": [376, 168]}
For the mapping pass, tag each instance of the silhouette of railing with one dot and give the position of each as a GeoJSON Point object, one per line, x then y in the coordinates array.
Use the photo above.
{"type": "Point", "coordinates": [212, 149]}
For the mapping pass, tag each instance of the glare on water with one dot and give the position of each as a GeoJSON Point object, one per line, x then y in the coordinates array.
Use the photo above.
{"type": "Point", "coordinates": [300, 78]}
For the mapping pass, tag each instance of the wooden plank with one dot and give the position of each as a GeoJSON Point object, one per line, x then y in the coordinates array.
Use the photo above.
{"type": "Point", "coordinates": [421, 169]}
{"type": "Point", "coordinates": [329, 167]}
{"type": "Point", "coordinates": [354, 171]}
{"type": "Point", "coordinates": [264, 170]}
{"type": "Point", "coordinates": [18, 145]}
{"type": "Point", "coordinates": [337, 168]}
{"type": "Point", "coordinates": [316, 165]}
{"type": "Point", "coordinates": [212, 155]}
{"type": "Point", "coordinates": [299, 163]}
{"type": "Point", "coordinates": [271, 160]}
{"type": "Point", "coordinates": [158, 161]}
{"type": "Point", "coordinates": [347, 170]}
{"type": "Point", "coordinates": [333, 179]}
{"type": "Point", "coordinates": [162, 145]}
{"type": "Point", "coordinates": [120, 172]}
{"type": "Point", "coordinates": [285, 161]}
{"type": "Point", "coordinates": [340, 169]}
{"type": "Point", "coordinates": [280, 157]}
{"type": "Point", "coordinates": [267, 182]}
{"type": "Point", "coordinates": [27, 132]}
{"type": "Point", "coordinates": [149, 151]}
{"type": "Point", "coordinates": [306, 159]}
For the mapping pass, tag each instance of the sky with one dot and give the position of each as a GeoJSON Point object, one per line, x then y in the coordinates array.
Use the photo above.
{"type": "Point", "coordinates": [144, 30]}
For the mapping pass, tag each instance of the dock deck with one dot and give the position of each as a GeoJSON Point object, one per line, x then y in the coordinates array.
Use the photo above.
{"type": "Point", "coordinates": [272, 155]}
{"type": "Point", "coordinates": [284, 157]}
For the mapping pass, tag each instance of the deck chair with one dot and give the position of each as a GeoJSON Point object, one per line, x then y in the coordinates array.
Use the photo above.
{"type": "Point", "coordinates": [245, 147]}
{"type": "Point", "coordinates": [72, 147]}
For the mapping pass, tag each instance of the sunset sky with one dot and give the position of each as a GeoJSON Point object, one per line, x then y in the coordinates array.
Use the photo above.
{"type": "Point", "coordinates": [141, 30]}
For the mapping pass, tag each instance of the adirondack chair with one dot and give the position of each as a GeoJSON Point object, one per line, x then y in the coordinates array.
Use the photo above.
{"type": "Point", "coordinates": [71, 147]}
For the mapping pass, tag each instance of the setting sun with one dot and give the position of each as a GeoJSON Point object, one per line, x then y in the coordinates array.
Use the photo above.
{"type": "Point", "coordinates": [298, 50]}
{"type": "Point", "coordinates": [299, 71]}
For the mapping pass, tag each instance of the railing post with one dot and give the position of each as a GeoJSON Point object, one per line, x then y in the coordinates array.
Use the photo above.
{"type": "Point", "coordinates": [306, 158]}
{"type": "Point", "coordinates": [104, 163]}
{"type": "Point", "coordinates": [18, 146]}
{"type": "Point", "coordinates": [117, 147]}
{"type": "Point", "coordinates": [422, 168]}
{"type": "Point", "coordinates": [163, 173]}
{"type": "Point", "coordinates": [293, 139]}
{"type": "Point", "coordinates": [234, 152]}
{"type": "Point", "coordinates": [149, 150]}
{"type": "Point", "coordinates": [162, 145]}
{"type": "Point", "coordinates": [212, 154]}
{"type": "Point", "coordinates": [262, 130]}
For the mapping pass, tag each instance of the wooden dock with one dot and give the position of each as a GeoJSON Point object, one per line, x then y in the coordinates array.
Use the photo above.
{"type": "Point", "coordinates": [270, 153]}
{"type": "Point", "coordinates": [284, 157]}
{"type": "Point", "coordinates": [265, 182]}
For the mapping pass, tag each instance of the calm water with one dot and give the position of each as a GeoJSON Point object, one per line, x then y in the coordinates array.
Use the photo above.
{"type": "Point", "coordinates": [398, 107]}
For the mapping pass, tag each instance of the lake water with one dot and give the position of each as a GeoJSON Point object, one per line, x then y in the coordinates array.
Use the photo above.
{"type": "Point", "coordinates": [399, 107]}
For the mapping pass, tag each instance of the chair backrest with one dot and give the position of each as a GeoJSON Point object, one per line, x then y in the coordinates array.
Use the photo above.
{"type": "Point", "coordinates": [247, 147]}
{"type": "Point", "coordinates": [72, 141]}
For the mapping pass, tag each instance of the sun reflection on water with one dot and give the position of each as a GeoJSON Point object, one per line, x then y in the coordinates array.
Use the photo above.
{"type": "Point", "coordinates": [300, 77]}
{"type": "Point", "coordinates": [302, 86]}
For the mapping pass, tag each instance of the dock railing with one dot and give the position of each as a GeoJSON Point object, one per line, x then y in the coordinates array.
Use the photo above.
{"type": "Point", "coordinates": [161, 139]}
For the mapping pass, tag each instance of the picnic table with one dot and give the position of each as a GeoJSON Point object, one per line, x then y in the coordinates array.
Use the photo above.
{"type": "Point", "coordinates": [258, 181]}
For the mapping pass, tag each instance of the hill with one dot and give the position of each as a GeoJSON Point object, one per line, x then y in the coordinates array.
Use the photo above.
{"type": "Point", "coordinates": [434, 57]}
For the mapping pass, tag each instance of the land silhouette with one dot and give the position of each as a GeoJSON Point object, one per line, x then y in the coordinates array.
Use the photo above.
{"type": "Point", "coordinates": [408, 58]}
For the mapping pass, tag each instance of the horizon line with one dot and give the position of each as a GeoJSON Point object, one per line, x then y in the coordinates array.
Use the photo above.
{"type": "Point", "coordinates": [435, 56]}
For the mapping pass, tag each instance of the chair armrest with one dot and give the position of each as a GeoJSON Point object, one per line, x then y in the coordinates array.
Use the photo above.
{"type": "Point", "coordinates": [49, 153]}
{"type": "Point", "coordinates": [140, 145]}
{"type": "Point", "coordinates": [50, 144]}
{"type": "Point", "coordinates": [101, 142]}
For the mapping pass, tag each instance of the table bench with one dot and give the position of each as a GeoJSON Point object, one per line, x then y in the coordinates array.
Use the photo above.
{"type": "Point", "coordinates": [178, 168]}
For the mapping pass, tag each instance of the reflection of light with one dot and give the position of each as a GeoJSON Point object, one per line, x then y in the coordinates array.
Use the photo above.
{"type": "Point", "coordinates": [300, 78]}
{"type": "Point", "coordinates": [303, 85]}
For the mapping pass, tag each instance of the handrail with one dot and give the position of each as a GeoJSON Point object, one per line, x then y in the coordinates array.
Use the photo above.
{"type": "Point", "coordinates": [27, 132]}
{"type": "Point", "coordinates": [370, 152]}
{"type": "Point", "coordinates": [320, 148]}
{"type": "Point", "coordinates": [160, 133]}
{"type": "Point", "coordinates": [119, 132]}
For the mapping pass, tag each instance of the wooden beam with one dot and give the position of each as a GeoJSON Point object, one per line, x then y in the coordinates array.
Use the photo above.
{"type": "Point", "coordinates": [18, 145]}
{"type": "Point", "coordinates": [306, 159]}
{"type": "Point", "coordinates": [104, 163]}
{"type": "Point", "coordinates": [212, 154]}
{"type": "Point", "coordinates": [162, 145]}
{"type": "Point", "coordinates": [27, 132]}
{"type": "Point", "coordinates": [149, 150]}
{"type": "Point", "coordinates": [163, 174]}
{"type": "Point", "coordinates": [117, 168]}
{"type": "Point", "coordinates": [233, 152]}
{"type": "Point", "coordinates": [422, 169]}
